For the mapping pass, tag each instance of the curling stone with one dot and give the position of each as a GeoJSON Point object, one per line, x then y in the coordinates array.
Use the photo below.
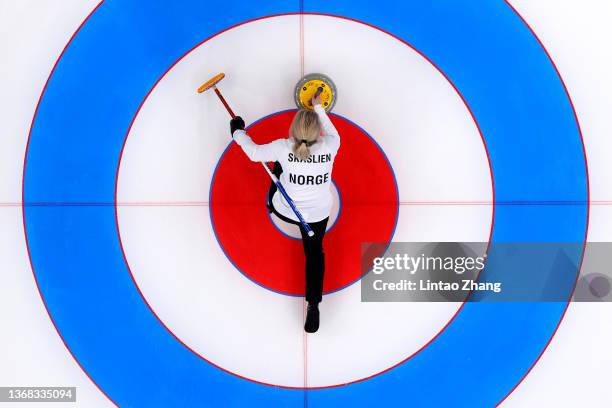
{"type": "Point", "coordinates": [306, 88]}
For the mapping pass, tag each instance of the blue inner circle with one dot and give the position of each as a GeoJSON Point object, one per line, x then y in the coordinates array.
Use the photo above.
{"type": "Point", "coordinates": [329, 227]}
{"type": "Point", "coordinates": [96, 88]}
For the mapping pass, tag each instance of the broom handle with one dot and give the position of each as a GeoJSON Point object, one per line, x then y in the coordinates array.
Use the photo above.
{"type": "Point", "coordinates": [282, 190]}
{"type": "Point", "coordinates": [278, 184]}
{"type": "Point", "coordinates": [224, 102]}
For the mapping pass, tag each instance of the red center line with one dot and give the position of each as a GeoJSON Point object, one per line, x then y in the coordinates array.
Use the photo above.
{"type": "Point", "coordinates": [305, 342]}
{"type": "Point", "coordinates": [304, 335]}
{"type": "Point", "coordinates": [302, 39]}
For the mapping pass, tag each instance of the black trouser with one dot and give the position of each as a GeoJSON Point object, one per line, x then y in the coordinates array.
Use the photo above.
{"type": "Point", "coordinates": [313, 247]}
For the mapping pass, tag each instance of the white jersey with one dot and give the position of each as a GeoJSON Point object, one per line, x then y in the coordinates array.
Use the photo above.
{"type": "Point", "coordinates": [307, 182]}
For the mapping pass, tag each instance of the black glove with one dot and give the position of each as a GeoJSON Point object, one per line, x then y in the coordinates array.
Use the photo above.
{"type": "Point", "coordinates": [235, 124]}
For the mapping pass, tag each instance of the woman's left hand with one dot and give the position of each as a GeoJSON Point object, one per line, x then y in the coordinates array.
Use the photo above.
{"type": "Point", "coordinates": [235, 124]}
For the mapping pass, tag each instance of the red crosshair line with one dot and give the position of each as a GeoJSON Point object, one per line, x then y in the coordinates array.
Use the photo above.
{"type": "Point", "coordinates": [412, 203]}
{"type": "Point", "coordinates": [304, 335]}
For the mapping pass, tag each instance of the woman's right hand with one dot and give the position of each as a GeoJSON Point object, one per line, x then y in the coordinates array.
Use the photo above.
{"type": "Point", "coordinates": [316, 100]}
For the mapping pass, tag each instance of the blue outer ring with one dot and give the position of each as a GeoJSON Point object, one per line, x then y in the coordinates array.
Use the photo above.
{"type": "Point", "coordinates": [484, 49]}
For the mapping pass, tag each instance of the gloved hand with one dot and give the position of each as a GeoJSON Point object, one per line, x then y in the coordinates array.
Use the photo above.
{"type": "Point", "coordinates": [235, 124]}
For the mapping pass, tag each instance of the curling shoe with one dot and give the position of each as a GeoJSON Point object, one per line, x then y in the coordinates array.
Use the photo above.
{"type": "Point", "coordinates": [312, 318]}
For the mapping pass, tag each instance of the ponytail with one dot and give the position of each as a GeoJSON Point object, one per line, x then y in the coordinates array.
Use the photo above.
{"type": "Point", "coordinates": [301, 149]}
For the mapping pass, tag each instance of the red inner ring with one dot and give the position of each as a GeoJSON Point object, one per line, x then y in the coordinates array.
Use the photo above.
{"type": "Point", "coordinates": [370, 202]}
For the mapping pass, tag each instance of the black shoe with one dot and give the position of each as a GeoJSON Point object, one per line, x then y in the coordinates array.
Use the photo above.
{"type": "Point", "coordinates": [312, 318]}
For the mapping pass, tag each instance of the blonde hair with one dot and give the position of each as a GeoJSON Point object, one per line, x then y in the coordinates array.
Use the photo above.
{"type": "Point", "coordinates": [305, 130]}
